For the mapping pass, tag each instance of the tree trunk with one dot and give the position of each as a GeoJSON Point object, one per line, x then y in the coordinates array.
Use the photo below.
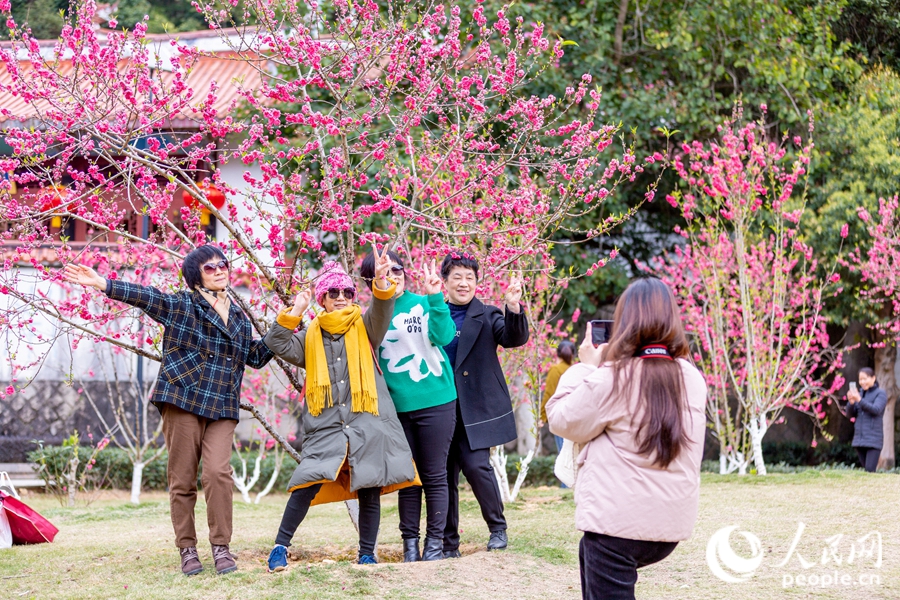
{"type": "Point", "coordinates": [620, 30]}
{"type": "Point", "coordinates": [72, 478]}
{"type": "Point", "coordinates": [885, 362]}
{"type": "Point", "coordinates": [498, 463]}
{"type": "Point", "coordinates": [137, 479]}
{"type": "Point", "coordinates": [758, 427]}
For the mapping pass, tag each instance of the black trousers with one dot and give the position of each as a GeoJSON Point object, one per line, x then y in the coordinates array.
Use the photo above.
{"type": "Point", "coordinates": [428, 432]}
{"type": "Point", "coordinates": [609, 564]}
{"type": "Point", "coordinates": [298, 506]}
{"type": "Point", "coordinates": [868, 457]}
{"type": "Point", "coordinates": [476, 466]}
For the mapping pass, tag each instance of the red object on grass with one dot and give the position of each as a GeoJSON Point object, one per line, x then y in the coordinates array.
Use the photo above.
{"type": "Point", "coordinates": [28, 527]}
{"type": "Point", "coordinates": [215, 196]}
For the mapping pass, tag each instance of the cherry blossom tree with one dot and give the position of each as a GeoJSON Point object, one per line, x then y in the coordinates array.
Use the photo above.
{"type": "Point", "coordinates": [877, 266]}
{"type": "Point", "coordinates": [402, 124]}
{"type": "Point", "coordinates": [748, 286]}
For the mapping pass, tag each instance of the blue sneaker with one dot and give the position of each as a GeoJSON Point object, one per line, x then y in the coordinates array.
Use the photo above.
{"type": "Point", "coordinates": [277, 559]}
{"type": "Point", "coordinates": [366, 559]}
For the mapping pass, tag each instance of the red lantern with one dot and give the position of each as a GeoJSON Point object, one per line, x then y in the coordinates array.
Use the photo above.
{"type": "Point", "coordinates": [213, 194]}
{"type": "Point", "coordinates": [51, 198]}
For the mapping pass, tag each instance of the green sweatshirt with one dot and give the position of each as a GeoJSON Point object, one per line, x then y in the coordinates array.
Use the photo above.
{"type": "Point", "coordinates": [412, 358]}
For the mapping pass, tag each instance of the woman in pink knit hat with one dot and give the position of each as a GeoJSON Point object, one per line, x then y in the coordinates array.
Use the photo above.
{"type": "Point", "coordinates": [353, 444]}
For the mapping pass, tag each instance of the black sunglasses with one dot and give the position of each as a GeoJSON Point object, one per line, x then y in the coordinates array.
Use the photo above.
{"type": "Point", "coordinates": [210, 268]}
{"type": "Point", "coordinates": [334, 293]}
{"type": "Point", "coordinates": [397, 270]}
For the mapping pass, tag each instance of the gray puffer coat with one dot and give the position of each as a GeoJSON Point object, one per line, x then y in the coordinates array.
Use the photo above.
{"type": "Point", "coordinates": [375, 448]}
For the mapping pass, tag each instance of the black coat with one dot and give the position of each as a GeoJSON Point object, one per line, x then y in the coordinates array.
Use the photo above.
{"type": "Point", "coordinates": [868, 429]}
{"type": "Point", "coordinates": [484, 401]}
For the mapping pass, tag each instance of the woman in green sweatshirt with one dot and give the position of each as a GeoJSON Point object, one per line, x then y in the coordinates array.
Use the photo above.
{"type": "Point", "coordinates": [420, 379]}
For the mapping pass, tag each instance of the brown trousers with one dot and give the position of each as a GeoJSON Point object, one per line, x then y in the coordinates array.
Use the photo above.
{"type": "Point", "coordinates": [189, 438]}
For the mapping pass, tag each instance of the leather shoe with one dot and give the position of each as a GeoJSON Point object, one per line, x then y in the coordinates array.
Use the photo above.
{"type": "Point", "coordinates": [498, 540]}
{"type": "Point", "coordinates": [434, 549]}
{"type": "Point", "coordinates": [224, 560]}
{"type": "Point", "coordinates": [190, 561]}
{"type": "Point", "coordinates": [411, 550]}
{"type": "Point", "coordinates": [452, 554]}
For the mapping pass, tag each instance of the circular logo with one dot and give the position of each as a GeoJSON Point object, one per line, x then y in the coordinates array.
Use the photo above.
{"type": "Point", "coordinates": [725, 563]}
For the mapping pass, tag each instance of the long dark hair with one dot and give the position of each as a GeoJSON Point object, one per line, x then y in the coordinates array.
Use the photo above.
{"type": "Point", "coordinates": [566, 351]}
{"type": "Point", "coordinates": [646, 314]}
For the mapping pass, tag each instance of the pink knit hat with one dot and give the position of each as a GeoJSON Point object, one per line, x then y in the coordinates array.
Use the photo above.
{"type": "Point", "coordinates": [332, 275]}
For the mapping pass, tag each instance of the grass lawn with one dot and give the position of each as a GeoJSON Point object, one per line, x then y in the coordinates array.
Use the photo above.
{"type": "Point", "coordinates": [112, 549]}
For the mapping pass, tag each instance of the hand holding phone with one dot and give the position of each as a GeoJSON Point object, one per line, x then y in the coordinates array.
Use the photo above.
{"type": "Point", "coordinates": [853, 395]}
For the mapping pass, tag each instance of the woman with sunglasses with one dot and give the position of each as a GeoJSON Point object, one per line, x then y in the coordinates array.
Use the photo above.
{"type": "Point", "coordinates": [207, 340]}
{"type": "Point", "coordinates": [420, 379]}
{"type": "Point", "coordinates": [352, 445]}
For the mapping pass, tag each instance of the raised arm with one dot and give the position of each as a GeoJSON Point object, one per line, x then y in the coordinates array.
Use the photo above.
{"type": "Point", "coordinates": [577, 410]}
{"type": "Point", "coordinates": [441, 328]}
{"type": "Point", "coordinates": [875, 404]}
{"type": "Point", "coordinates": [511, 328]}
{"type": "Point", "coordinates": [159, 306]}
{"type": "Point", "coordinates": [377, 319]}
{"type": "Point", "coordinates": [282, 340]}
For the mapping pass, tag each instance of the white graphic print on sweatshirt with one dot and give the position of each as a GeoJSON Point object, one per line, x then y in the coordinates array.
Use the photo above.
{"type": "Point", "coordinates": [407, 347]}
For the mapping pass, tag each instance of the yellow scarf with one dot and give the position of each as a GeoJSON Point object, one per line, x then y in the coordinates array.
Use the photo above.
{"type": "Point", "coordinates": [347, 321]}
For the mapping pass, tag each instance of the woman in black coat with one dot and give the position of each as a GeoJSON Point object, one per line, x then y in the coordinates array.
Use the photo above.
{"type": "Point", "coordinates": [868, 410]}
{"type": "Point", "coordinates": [484, 409]}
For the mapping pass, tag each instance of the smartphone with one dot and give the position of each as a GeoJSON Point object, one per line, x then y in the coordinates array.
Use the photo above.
{"type": "Point", "coordinates": [601, 331]}
{"type": "Point", "coordinates": [853, 386]}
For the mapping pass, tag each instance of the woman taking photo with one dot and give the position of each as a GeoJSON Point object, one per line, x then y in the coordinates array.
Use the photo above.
{"type": "Point", "coordinates": [353, 445]}
{"type": "Point", "coordinates": [207, 340]}
{"type": "Point", "coordinates": [637, 406]}
{"type": "Point", "coordinates": [420, 378]}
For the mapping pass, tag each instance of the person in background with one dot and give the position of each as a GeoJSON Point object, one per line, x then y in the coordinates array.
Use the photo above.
{"type": "Point", "coordinates": [484, 413]}
{"type": "Point", "coordinates": [867, 408]}
{"type": "Point", "coordinates": [207, 340]}
{"type": "Point", "coordinates": [638, 406]}
{"type": "Point", "coordinates": [352, 444]}
{"type": "Point", "coordinates": [420, 379]}
{"type": "Point", "coordinates": [566, 354]}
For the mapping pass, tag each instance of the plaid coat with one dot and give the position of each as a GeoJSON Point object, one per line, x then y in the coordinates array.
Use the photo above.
{"type": "Point", "coordinates": [203, 359]}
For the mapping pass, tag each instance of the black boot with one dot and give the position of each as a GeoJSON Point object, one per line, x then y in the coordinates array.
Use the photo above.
{"type": "Point", "coordinates": [434, 549]}
{"type": "Point", "coordinates": [411, 550]}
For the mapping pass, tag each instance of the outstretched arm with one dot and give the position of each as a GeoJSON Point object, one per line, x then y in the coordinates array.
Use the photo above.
{"type": "Point", "coordinates": [158, 305]}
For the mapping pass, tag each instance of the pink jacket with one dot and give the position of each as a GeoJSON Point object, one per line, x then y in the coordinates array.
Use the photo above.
{"type": "Point", "coordinates": [618, 491]}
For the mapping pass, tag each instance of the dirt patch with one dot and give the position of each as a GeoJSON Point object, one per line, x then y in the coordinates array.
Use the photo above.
{"type": "Point", "coordinates": [478, 575]}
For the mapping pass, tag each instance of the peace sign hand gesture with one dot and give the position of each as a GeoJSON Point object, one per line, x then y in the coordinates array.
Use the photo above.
{"type": "Point", "coordinates": [514, 294]}
{"type": "Point", "coordinates": [432, 284]}
{"type": "Point", "coordinates": [383, 265]}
